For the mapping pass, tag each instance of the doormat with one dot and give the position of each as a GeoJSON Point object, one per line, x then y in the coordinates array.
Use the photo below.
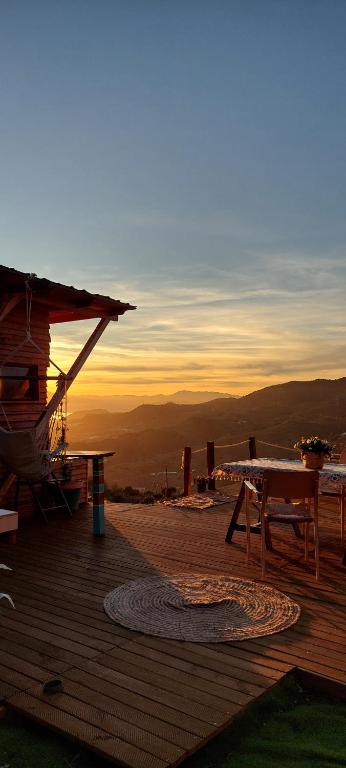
{"type": "Point", "coordinates": [201, 608]}
{"type": "Point", "coordinates": [199, 501]}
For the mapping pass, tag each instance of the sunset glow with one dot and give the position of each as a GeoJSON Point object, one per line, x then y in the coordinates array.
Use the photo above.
{"type": "Point", "coordinates": [189, 159]}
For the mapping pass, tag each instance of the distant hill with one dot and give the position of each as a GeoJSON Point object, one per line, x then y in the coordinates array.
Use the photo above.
{"type": "Point", "coordinates": [121, 403]}
{"type": "Point", "coordinates": [150, 438]}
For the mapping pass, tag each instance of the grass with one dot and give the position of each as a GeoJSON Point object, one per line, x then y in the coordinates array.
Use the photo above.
{"type": "Point", "coordinates": [23, 745]}
{"type": "Point", "coordinates": [289, 728]}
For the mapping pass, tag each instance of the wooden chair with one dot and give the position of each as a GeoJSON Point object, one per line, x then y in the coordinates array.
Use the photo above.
{"type": "Point", "coordinates": [302, 488]}
{"type": "Point", "coordinates": [340, 495]}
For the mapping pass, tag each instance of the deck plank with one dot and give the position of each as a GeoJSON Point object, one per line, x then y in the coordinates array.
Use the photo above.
{"type": "Point", "coordinates": [141, 700]}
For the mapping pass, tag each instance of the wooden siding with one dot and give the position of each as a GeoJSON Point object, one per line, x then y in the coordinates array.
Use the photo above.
{"type": "Point", "coordinates": [134, 698]}
{"type": "Point", "coordinates": [23, 414]}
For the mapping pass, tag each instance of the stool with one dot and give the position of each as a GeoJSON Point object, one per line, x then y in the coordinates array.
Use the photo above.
{"type": "Point", "coordinates": [52, 486]}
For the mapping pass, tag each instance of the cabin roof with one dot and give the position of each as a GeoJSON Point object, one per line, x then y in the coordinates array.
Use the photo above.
{"type": "Point", "coordinates": [65, 303]}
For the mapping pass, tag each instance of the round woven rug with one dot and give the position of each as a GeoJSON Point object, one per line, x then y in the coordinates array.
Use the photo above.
{"type": "Point", "coordinates": [201, 608]}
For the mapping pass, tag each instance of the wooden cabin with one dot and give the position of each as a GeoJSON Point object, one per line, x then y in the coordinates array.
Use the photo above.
{"type": "Point", "coordinates": [29, 305]}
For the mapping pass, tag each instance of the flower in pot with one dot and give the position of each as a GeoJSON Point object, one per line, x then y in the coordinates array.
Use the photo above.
{"type": "Point", "coordinates": [313, 451]}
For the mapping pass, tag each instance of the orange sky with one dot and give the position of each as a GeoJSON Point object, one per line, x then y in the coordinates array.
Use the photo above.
{"type": "Point", "coordinates": [232, 344]}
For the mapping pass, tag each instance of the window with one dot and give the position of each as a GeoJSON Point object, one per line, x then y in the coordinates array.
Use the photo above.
{"type": "Point", "coordinates": [19, 382]}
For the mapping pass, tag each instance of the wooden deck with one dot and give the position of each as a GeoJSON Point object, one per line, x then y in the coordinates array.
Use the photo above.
{"type": "Point", "coordinates": [138, 700]}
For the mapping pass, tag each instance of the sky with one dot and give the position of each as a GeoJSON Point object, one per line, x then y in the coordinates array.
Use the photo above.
{"type": "Point", "coordinates": [188, 157]}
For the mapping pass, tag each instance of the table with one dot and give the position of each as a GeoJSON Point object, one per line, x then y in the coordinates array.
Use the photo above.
{"type": "Point", "coordinates": [98, 487]}
{"type": "Point", "coordinates": [332, 477]}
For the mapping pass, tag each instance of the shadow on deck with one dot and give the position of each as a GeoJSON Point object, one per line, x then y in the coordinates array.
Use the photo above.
{"type": "Point", "coordinates": [137, 699]}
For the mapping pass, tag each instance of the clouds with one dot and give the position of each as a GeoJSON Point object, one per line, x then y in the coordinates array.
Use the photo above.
{"type": "Point", "coordinates": [191, 164]}
{"type": "Point", "coordinates": [278, 319]}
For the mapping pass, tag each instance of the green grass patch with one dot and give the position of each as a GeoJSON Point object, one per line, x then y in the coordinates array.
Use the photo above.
{"type": "Point", "coordinates": [289, 728]}
{"type": "Point", "coordinates": [25, 745]}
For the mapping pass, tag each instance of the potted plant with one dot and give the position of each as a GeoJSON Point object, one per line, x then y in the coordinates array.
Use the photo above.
{"type": "Point", "coordinates": [313, 451]}
{"type": "Point", "coordinates": [201, 483]}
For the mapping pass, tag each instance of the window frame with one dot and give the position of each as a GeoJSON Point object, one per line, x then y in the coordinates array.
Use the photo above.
{"type": "Point", "coordinates": [32, 377]}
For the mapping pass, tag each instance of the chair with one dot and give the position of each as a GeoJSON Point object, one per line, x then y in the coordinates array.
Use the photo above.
{"type": "Point", "coordinates": [339, 494]}
{"type": "Point", "coordinates": [277, 484]}
{"type": "Point", "coordinates": [20, 454]}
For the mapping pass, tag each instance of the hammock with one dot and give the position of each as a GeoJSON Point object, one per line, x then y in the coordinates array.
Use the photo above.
{"type": "Point", "coordinates": [20, 454]}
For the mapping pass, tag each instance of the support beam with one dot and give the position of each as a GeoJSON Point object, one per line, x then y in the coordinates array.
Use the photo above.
{"type": "Point", "coordinates": [9, 303]}
{"type": "Point", "coordinates": [6, 483]}
{"type": "Point", "coordinates": [65, 382]}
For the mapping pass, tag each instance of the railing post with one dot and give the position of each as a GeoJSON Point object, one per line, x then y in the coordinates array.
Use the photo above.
{"type": "Point", "coordinates": [187, 471]}
{"type": "Point", "coordinates": [211, 464]}
{"type": "Point", "coordinates": [252, 448]}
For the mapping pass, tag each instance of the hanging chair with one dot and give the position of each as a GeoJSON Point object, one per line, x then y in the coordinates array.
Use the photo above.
{"type": "Point", "coordinates": [19, 452]}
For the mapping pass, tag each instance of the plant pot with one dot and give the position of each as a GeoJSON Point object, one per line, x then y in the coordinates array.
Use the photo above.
{"type": "Point", "coordinates": [313, 460]}
{"type": "Point", "coordinates": [72, 492]}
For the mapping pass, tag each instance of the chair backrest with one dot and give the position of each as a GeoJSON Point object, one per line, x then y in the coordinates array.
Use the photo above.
{"type": "Point", "coordinates": [19, 452]}
{"type": "Point", "coordinates": [290, 485]}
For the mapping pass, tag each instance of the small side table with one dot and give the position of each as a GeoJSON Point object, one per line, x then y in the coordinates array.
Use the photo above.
{"type": "Point", "coordinates": [9, 523]}
{"type": "Point", "coordinates": [98, 487]}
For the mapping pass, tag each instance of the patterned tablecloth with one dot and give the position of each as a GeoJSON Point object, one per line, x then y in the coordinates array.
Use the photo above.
{"type": "Point", "coordinates": [332, 476]}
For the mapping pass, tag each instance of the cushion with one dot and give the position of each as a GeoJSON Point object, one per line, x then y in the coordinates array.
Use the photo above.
{"type": "Point", "coordinates": [288, 512]}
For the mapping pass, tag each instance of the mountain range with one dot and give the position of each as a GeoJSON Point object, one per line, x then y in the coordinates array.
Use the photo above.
{"type": "Point", "coordinates": [148, 440]}
{"type": "Point", "coordinates": [120, 403]}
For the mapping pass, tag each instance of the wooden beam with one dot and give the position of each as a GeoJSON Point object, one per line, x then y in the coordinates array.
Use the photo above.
{"type": "Point", "coordinates": [68, 316]}
{"type": "Point", "coordinates": [6, 483]}
{"type": "Point", "coordinates": [9, 303]}
{"type": "Point", "coordinates": [252, 448]}
{"type": "Point", "coordinates": [65, 382]}
{"type": "Point", "coordinates": [211, 464]}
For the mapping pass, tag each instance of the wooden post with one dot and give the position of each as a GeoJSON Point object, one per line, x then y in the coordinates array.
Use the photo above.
{"type": "Point", "coordinates": [252, 448]}
{"type": "Point", "coordinates": [211, 464]}
{"type": "Point", "coordinates": [187, 471]}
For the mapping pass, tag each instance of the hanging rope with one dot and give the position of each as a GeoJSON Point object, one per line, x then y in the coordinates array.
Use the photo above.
{"type": "Point", "coordinates": [28, 336]}
{"type": "Point", "coordinates": [230, 445]}
{"type": "Point", "coordinates": [6, 419]}
{"type": "Point", "coordinates": [274, 445]}
{"type": "Point", "coordinates": [233, 445]}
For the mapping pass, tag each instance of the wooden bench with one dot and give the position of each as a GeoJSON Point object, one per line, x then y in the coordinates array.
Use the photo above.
{"type": "Point", "coordinates": [9, 523]}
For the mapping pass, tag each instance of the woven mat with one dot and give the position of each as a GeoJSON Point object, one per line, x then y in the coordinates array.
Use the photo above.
{"type": "Point", "coordinates": [198, 501]}
{"type": "Point", "coordinates": [201, 608]}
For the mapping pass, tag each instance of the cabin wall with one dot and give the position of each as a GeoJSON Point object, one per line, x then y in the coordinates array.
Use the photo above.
{"type": "Point", "coordinates": [23, 414]}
